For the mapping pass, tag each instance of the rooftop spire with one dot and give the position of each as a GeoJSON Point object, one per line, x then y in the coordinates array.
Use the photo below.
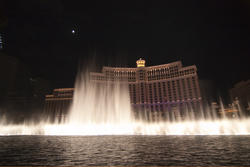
{"type": "Point", "coordinates": [140, 63]}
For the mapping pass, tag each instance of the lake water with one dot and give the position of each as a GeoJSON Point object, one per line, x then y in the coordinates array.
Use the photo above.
{"type": "Point", "coordinates": [125, 150]}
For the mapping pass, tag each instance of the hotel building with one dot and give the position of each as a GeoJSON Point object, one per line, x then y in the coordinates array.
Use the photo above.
{"type": "Point", "coordinates": [161, 89]}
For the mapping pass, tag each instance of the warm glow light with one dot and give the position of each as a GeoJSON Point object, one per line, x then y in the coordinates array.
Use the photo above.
{"type": "Point", "coordinates": [140, 63]}
{"type": "Point", "coordinates": [208, 127]}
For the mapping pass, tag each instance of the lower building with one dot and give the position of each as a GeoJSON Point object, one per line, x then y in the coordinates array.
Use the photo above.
{"type": "Point", "coordinates": [57, 104]}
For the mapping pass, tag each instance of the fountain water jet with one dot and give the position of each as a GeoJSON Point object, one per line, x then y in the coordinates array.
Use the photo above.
{"type": "Point", "coordinates": [96, 103]}
{"type": "Point", "coordinates": [105, 109]}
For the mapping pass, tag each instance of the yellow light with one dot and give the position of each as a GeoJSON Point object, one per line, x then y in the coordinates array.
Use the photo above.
{"type": "Point", "coordinates": [140, 63]}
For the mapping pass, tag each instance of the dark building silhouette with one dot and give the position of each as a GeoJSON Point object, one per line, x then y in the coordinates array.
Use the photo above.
{"type": "Point", "coordinates": [15, 88]}
{"type": "Point", "coordinates": [208, 90]}
{"type": "Point", "coordinates": [21, 96]}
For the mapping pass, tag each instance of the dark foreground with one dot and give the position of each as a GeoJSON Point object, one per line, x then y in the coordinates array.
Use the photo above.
{"type": "Point", "coordinates": [125, 150]}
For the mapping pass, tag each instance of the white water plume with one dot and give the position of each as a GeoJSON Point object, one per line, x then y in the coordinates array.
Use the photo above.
{"type": "Point", "coordinates": [100, 103]}
{"type": "Point", "coordinates": [205, 127]}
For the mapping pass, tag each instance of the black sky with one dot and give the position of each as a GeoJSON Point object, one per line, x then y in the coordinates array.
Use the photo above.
{"type": "Point", "coordinates": [214, 35]}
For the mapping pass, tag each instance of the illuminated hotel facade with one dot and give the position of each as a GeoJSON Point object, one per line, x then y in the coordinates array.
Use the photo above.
{"type": "Point", "coordinates": [157, 89]}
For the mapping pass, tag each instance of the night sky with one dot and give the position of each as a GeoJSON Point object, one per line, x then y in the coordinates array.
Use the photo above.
{"type": "Point", "coordinates": [214, 35]}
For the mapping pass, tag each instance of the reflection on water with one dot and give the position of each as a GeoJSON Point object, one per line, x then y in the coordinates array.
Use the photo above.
{"type": "Point", "coordinates": [125, 150]}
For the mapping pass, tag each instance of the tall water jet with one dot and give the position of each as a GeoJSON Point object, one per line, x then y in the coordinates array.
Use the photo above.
{"type": "Point", "coordinates": [100, 103]}
{"type": "Point", "coordinates": [99, 108]}
{"type": "Point", "coordinates": [222, 112]}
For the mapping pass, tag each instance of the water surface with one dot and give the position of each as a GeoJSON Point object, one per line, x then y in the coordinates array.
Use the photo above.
{"type": "Point", "coordinates": [125, 150]}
